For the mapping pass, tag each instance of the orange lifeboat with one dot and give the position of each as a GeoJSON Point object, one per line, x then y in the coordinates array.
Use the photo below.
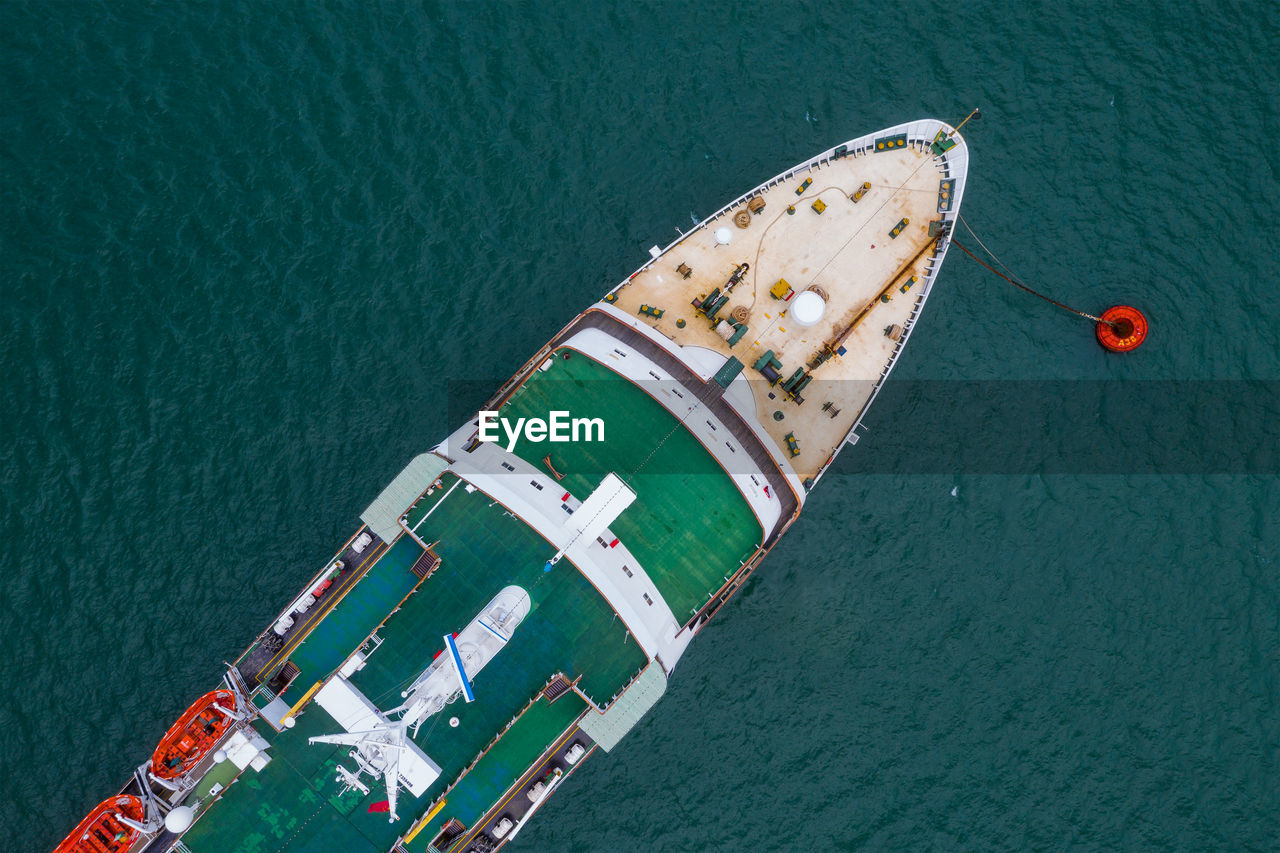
{"type": "Point", "coordinates": [102, 831]}
{"type": "Point", "coordinates": [191, 737]}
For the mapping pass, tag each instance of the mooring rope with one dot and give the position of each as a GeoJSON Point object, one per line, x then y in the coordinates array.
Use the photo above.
{"type": "Point", "coordinates": [1014, 281]}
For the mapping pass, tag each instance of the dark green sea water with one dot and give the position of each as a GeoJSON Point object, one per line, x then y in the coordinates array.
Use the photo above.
{"type": "Point", "coordinates": [246, 246]}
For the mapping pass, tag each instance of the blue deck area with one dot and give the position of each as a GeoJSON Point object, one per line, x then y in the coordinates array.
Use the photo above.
{"type": "Point", "coordinates": [520, 746]}
{"type": "Point", "coordinates": [356, 615]}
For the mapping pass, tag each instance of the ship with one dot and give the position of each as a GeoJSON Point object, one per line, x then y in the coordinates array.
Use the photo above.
{"type": "Point", "coordinates": [517, 598]}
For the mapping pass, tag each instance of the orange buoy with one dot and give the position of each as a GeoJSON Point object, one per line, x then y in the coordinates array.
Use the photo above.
{"type": "Point", "coordinates": [1123, 328]}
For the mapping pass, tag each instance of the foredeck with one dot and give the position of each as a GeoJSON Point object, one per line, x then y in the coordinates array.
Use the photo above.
{"type": "Point", "coordinates": [690, 527]}
{"type": "Point", "coordinates": [293, 803]}
{"type": "Point", "coordinates": [843, 248]}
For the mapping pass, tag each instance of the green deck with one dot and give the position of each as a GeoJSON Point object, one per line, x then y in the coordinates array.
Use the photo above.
{"type": "Point", "coordinates": [570, 627]}
{"type": "Point", "coordinates": [689, 526]}
{"type": "Point", "coordinates": [527, 739]}
{"type": "Point", "coordinates": [522, 744]}
{"type": "Point", "coordinates": [293, 804]}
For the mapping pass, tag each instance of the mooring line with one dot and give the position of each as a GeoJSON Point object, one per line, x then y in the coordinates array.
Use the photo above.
{"type": "Point", "coordinates": [1010, 278]}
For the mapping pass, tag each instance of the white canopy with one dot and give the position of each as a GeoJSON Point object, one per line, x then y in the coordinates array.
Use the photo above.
{"type": "Point", "coordinates": [375, 733]}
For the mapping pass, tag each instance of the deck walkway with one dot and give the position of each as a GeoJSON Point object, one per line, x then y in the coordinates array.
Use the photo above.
{"type": "Point", "coordinates": [264, 657]}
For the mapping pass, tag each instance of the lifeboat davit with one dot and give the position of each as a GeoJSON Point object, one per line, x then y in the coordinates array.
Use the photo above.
{"type": "Point", "coordinates": [102, 831]}
{"type": "Point", "coordinates": [192, 736]}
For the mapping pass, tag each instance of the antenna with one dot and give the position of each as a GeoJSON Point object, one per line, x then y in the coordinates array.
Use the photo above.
{"type": "Point", "coordinates": [976, 114]}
